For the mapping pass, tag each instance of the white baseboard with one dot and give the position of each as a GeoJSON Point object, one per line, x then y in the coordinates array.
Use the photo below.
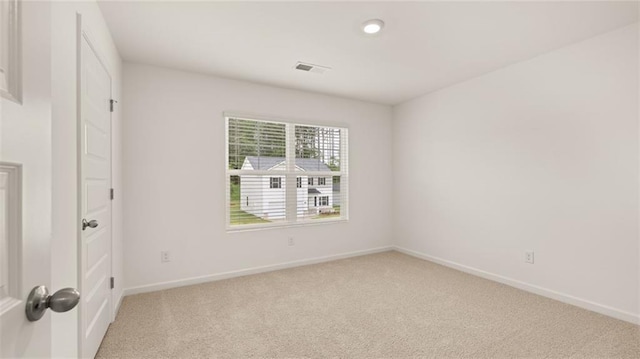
{"type": "Point", "coordinates": [242, 272]}
{"type": "Point", "coordinates": [565, 298]}
{"type": "Point", "coordinates": [118, 304]}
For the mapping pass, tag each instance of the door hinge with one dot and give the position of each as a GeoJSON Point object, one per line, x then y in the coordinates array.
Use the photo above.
{"type": "Point", "coordinates": [111, 102]}
{"type": "Point", "coordinates": [111, 195]}
{"type": "Point", "coordinates": [113, 282]}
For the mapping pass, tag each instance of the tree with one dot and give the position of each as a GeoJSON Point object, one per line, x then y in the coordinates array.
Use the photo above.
{"type": "Point", "coordinates": [306, 141]}
{"type": "Point", "coordinates": [268, 139]}
{"type": "Point", "coordinates": [254, 138]}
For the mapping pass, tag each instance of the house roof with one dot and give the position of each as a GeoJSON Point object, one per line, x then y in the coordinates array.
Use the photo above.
{"type": "Point", "coordinates": [267, 163]}
{"type": "Point", "coordinates": [313, 191]}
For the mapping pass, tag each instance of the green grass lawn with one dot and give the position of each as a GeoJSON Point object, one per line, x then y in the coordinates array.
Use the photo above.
{"type": "Point", "coordinates": [239, 216]}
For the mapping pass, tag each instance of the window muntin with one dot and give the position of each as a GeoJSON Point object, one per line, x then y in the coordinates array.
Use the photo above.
{"type": "Point", "coordinates": [257, 148]}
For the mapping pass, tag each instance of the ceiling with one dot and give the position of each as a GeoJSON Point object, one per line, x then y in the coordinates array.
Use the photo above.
{"type": "Point", "coordinates": [423, 47]}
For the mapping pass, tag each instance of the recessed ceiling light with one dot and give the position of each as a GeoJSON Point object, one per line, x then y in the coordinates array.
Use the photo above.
{"type": "Point", "coordinates": [372, 26]}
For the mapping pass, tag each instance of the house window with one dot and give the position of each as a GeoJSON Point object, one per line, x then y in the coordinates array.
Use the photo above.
{"type": "Point", "coordinates": [276, 154]}
{"type": "Point", "coordinates": [324, 201]}
{"type": "Point", "coordinates": [275, 182]}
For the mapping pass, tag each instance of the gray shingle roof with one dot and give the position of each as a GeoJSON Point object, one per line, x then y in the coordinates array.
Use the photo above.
{"type": "Point", "coordinates": [266, 163]}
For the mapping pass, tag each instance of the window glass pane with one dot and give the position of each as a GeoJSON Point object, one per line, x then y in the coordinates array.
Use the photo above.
{"type": "Point", "coordinates": [252, 201]}
{"type": "Point", "coordinates": [256, 145]}
{"type": "Point", "coordinates": [317, 148]}
{"type": "Point", "coordinates": [336, 195]}
{"type": "Point", "coordinates": [261, 198]}
{"type": "Point", "coordinates": [319, 202]}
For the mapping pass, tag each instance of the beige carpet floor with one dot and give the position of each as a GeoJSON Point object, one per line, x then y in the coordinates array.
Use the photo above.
{"type": "Point", "coordinates": [386, 305]}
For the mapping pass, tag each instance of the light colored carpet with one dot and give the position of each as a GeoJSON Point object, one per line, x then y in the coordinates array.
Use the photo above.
{"type": "Point", "coordinates": [386, 305]}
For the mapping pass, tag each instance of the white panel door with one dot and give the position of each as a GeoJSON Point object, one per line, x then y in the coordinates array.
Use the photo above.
{"type": "Point", "coordinates": [25, 186]}
{"type": "Point", "coordinates": [94, 196]}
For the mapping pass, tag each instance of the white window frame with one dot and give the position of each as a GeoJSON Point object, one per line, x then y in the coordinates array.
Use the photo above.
{"type": "Point", "coordinates": [322, 181]}
{"type": "Point", "coordinates": [290, 173]}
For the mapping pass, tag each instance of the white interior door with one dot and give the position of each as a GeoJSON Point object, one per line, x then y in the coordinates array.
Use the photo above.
{"type": "Point", "coordinates": [26, 188]}
{"type": "Point", "coordinates": [94, 196]}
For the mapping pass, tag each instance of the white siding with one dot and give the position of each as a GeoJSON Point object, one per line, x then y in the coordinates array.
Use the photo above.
{"type": "Point", "coordinates": [325, 190]}
{"type": "Point", "coordinates": [273, 199]}
{"type": "Point", "coordinates": [301, 195]}
{"type": "Point", "coordinates": [258, 198]}
{"type": "Point", "coordinates": [251, 194]}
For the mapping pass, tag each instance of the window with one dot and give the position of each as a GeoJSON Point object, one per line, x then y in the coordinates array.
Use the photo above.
{"type": "Point", "coordinates": [275, 182]}
{"type": "Point", "coordinates": [265, 159]}
{"type": "Point", "coordinates": [324, 200]}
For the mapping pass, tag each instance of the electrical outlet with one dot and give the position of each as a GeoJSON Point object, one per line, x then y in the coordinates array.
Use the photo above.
{"type": "Point", "coordinates": [291, 242]}
{"type": "Point", "coordinates": [528, 257]}
{"type": "Point", "coordinates": [164, 257]}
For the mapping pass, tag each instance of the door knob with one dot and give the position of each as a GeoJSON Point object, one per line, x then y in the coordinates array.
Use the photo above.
{"type": "Point", "coordinates": [61, 301]}
{"type": "Point", "coordinates": [91, 224]}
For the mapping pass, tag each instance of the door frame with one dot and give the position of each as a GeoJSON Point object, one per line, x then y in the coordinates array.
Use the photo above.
{"type": "Point", "coordinates": [84, 34]}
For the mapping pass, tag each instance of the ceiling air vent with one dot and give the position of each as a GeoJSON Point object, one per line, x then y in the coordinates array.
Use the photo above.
{"type": "Point", "coordinates": [316, 69]}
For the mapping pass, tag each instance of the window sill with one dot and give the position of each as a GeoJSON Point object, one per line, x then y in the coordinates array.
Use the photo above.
{"type": "Point", "coordinates": [260, 227]}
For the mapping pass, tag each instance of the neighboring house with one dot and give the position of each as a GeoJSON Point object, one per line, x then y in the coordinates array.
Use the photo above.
{"type": "Point", "coordinates": [264, 195]}
{"type": "Point", "coordinates": [336, 191]}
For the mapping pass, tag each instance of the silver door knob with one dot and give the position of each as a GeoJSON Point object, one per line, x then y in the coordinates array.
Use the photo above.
{"type": "Point", "coordinates": [61, 301]}
{"type": "Point", "coordinates": [91, 224]}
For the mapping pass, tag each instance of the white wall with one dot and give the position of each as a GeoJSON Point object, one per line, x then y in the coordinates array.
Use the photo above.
{"type": "Point", "coordinates": [541, 155]}
{"type": "Point", "coordinates": [64, 131]}
{"type": "Point", "coordinates": [174, 181]}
